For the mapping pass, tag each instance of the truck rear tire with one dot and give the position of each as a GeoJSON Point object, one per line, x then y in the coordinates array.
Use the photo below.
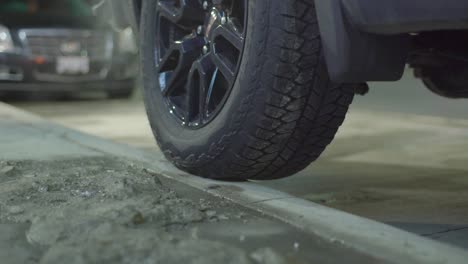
{"type": "Point", "coordinates": [274, 118]}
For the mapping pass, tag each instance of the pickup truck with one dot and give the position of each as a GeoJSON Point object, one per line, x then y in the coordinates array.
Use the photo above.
{"type": "Point", "coordinates": [256, 89]}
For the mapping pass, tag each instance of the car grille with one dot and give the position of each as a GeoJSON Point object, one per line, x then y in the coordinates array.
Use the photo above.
{"type": "Point", "coordinates": [50, 44]}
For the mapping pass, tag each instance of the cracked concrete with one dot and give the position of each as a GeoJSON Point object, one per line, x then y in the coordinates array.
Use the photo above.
{"type": "Point", "coordinates": [302, 222]}
{"type": "Point", "coordinates": [66, 202]}
{"type": "Point", "coordinates": [378, 166]}
{"type": "Point", "coordinates": [445, 231]}
{"type": "Point", "coordinates": [391, 161]}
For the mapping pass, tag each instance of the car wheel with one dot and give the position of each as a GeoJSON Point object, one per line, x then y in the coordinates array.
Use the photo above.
{"type": "Point", "coordinates": [238, 90]}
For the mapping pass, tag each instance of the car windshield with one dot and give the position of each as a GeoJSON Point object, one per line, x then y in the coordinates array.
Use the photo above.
{"type": "Point", "coordinates": [75, 8]}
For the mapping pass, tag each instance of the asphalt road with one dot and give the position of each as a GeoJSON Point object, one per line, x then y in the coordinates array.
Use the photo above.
{"type": "Point", "coordinates": [400, 157]}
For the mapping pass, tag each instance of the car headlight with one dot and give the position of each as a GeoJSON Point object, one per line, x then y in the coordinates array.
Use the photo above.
{"type": "Point", "coordinates": [6, 43]}
{"type": "Point", "coordinates": [127, 41]}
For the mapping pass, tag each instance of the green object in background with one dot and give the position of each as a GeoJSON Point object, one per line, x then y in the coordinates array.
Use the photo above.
{"type": "Point", "coordinates": [79, 8]}
{"type": "Point", "coordinates": [14, 7]}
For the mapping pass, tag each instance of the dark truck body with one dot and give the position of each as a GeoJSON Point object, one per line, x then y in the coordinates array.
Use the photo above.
{"type": "Point", "coordinates": [369, 40]}
{"type": "Point", "coordinates": [40, 39]}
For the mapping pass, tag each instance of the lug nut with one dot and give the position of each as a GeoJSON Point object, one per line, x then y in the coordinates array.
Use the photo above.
{"type": "Point", "coordinates": [205, 5]}
{"type": "Point", "coordinates": [205, 49]}
{"type": "Point", "coordinates": [199, 30]}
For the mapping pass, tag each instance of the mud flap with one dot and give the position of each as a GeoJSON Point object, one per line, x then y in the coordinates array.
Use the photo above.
{"type": "Point", "coordinates": [354, 56]}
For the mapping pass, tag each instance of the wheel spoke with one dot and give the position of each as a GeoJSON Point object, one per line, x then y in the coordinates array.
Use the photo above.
{"type": "Point", "coordinates": [226, 46]}
{"type": "Point", "coordinates": [169, 33]}
{"type": "Point", "coordinates": [230, 34]}
{"type": "Point", "coordinates": [176, 64]}
{"type": "Point", "coordinates": [197, 88]}
{"type": "Point", "coordinates": [183, 12]}
{"type": "Point", "coordinates": [224, 66]}
{"type": "Point", "coordinates": [193, 90]}
{"type": "Point", "coordinates": [237, 15]}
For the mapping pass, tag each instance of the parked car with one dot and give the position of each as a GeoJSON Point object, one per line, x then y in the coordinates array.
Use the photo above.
{"type": "Point", "coordinates": [250, 89]}
{"type": "Point", "coordinates": [60, 46]}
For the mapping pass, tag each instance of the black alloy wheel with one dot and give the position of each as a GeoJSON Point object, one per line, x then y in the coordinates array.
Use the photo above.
{"type": "Point", "coordinates": [198, 50]}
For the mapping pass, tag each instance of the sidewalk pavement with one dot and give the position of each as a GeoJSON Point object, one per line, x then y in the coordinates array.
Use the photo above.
{"type": "Point", "coordinates": [65, 195]}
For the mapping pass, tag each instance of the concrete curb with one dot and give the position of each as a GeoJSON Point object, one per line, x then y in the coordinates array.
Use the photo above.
{"type": "Point", "coordinates": [367, 236]}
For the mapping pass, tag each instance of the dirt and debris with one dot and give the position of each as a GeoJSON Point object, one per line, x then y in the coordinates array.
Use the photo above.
{"type": "Point", "coordinates": [106, 209]}
{"type": "Point", "coordinates": [103, 210]}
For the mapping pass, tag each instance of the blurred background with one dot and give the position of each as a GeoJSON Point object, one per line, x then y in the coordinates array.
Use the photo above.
{"type": "Point", "coordinates": [400, 157]}
{"type": "Point", "coordinates": [59, 49]}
